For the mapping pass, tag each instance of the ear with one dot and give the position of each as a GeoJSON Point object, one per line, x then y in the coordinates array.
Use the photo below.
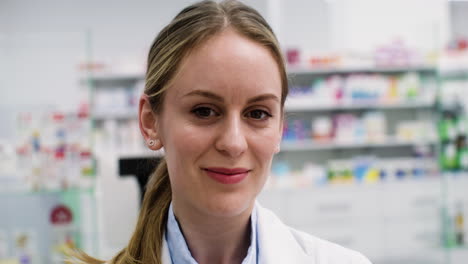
{"type": "Point", "coordinates": [148, 121]}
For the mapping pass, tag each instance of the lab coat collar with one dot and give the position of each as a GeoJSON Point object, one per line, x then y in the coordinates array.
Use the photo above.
{"type": "Point", "coordinates": [166, 256]}
{"type": "Point", "coordinates": [276, 243]}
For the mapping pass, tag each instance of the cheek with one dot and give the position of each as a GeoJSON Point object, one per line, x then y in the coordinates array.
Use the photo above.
{"type": "Point", "coordinates": [184, 143]}
{"type": "Point", "coordinates": [264, 145]}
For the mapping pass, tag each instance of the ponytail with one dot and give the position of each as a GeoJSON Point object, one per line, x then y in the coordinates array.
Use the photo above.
{"type": "Point", "coordinates": [145, 245]}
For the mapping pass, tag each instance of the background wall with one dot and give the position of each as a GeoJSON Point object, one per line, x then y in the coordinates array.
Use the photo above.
{"type": "Point", "coordinates": [363, 24]}
{"type": "Point", "coordinates": [458, 18]}
{"type": "Point", "coordinates": [43, 42]}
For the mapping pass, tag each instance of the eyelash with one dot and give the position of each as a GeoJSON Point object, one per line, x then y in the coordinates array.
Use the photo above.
{"type": "Point", "coordinates": [197, 110]}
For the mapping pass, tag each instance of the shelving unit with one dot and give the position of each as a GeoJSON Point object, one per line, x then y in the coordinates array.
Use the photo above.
{"type": "Point", "coordinates": [29, 214]}
{"type": "Point", "coordinates": [454, 74]}
{"type": "Point", "coordinates": [452, 111]}
{"type": "Point", "coordinates": [382, 220]}
{"type": "Point", "coordinates": [115, 115]}
{"type": "Point", "coordinates": [301, 104]}
{"type": "Point", "coordinates": [309, 145]}
{"type": "Point", "coordinates": [370, 69]}
{"type": "Point", "coordinates": [389, 224]}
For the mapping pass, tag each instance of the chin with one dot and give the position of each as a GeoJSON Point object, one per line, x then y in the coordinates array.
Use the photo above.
{"type": "Point", "coordinates": [230, 205]}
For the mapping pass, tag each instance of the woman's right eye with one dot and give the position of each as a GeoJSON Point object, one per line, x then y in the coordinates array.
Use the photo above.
{"type": "Point", "coordinates": [204, 112]}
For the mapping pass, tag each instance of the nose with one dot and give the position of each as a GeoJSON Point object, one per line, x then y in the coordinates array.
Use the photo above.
{"type": "Point", "coordinates": [231, 140]}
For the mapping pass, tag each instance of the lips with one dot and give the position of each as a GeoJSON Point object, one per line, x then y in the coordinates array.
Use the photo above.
{"type": "Point", "coordinates": [227, 175]}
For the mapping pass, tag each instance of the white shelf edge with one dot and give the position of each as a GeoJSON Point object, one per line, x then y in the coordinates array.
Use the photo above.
{"type": "Point", "coordinates": [303, 105]}
{"type": "Point", "coordinates": [306, 145]}
{"type": "Point", "coordinates": [344, 70]}
{"type": "Point", "coordinates": [140, 154]}
{"type": "Point", "coordinates": [454, 73]}
{"type": "Point", "coordinates": [112, 77]}
{"type": "Point", "coordinates": [115, 115]}
{"type": "Point", "coordinates": [113, 153]}
{"type": "Point", "coordinates": [106, 77]}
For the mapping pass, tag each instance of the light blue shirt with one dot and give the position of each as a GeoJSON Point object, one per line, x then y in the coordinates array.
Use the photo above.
{"type": "Point", "coordinates": [180, 253]}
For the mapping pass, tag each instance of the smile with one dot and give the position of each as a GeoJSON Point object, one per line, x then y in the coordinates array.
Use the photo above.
{"type": "Point", "coordinates": [227, 176]}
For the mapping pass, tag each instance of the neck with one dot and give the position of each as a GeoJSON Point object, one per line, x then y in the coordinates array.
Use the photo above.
{"type": "Point", "coordinates": [215, 239]}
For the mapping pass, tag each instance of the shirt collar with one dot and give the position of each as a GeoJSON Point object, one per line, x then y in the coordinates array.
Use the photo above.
{"type": "Point", "coordinates": [180, 252]}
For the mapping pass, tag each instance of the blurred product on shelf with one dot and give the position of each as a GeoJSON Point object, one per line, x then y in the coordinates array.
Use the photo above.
{"type": "Point", "coordinates": [115, 112]}
{"type": "Point", "coordinates": [296, 59]}
{"type": "Point", "coordinates": [453, 120]}
{"type": "Point", "coordinates": [370, 127]}
{"type": "Point", "coordinates": [416, 131]}
{"type": "Point", "coordinates": [452, 92]}
{"type": "Point", "coordinates": [25, 246]}
{"type": "Point", "coordinates": [455, 58]}
{"type": "Point", "coordinates": [61, 219]}
{"type": "Point", "coordinates": [395, 53]}
{"type": "Point", "coordinates": [118, 137]}
{"type": "Point", "coordinates": [322, 129]}
{"type": "Point", "coordinates": [360, 169]}
{"type": "Point", "coordinates": [53, 152]}
{"type": "Point", "coordinates": [453, 136]}
{"type": "Point", "coordinates": [455, 236]}
{"type": "Point", "coordinates": [117, 100]}
{"type": "Point", "coordinates": [459, 44]}
{"type": "Point", "coordinates": [360, 88]}
{"type": "Point", "coordinates": [459, 225]}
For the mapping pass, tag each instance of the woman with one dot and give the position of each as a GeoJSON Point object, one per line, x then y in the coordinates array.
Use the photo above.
{"type": "Point", "coordinates": [215, 91]}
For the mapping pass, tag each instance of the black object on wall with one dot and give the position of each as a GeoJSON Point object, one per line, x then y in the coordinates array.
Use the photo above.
{"type": "Point", "coordinates": [140, 168]}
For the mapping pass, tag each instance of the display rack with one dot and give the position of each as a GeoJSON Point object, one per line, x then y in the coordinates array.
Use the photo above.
{"type": "Point", "coordinates": [300, 104]}
{"type": "Point", "coordinates": [294, 71]}
{"type": "Point", "coordinates": [30, 216]}
{"type": "Point", "coordinates": [47, 192]}
{"type": "Point", "coordinates": [51, 174]}
{"type": "Point", "coordinates": [452, 110]}
{"type": "Point", "coordinates": [305, 105]}
{"type": "Point", "coordinates": [397, 211]}
{"type": "Point", "coordinates": [389, 142]}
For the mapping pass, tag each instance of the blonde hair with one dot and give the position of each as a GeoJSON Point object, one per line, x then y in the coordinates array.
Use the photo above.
{"type": "Point", "coordinates": [188, 30]}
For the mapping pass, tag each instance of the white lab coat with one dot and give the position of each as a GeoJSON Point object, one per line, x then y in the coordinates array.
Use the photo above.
{"type": "Point", "coordinates": [280, 244]}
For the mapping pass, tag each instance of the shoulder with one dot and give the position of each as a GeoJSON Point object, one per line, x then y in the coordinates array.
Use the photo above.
{"type": "Point", "coordinates": [311, 249]}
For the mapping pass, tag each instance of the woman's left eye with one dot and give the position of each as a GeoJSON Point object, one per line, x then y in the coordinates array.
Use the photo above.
{"type": "Point", "coordinates": [258, 114]}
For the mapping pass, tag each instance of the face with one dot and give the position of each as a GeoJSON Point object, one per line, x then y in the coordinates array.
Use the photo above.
{"type": "Point", "coordinates": [221, 125]}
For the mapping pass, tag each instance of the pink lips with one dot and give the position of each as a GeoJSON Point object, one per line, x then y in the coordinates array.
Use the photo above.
{"type": "Point", "coordinates": [227, 176]}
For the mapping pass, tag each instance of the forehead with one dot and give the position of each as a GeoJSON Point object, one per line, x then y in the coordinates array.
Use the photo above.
{"type": "Point", "coordinates": [228, 64]}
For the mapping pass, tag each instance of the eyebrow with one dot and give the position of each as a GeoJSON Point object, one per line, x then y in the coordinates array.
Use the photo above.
{"type": "Point", "coordinates": [263, 97]}
{"type": "Point", "coordinates": [216, 97]}
{"type": "Point", "coordinates": [205, 94]}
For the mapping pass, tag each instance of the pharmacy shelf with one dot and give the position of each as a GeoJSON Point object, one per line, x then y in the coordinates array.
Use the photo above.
{"type": "Point", "coordinates": [348, 70]}
{"type": "Point", "coordinates": [128, 153]}
{"type": "Point", "coordinates": [128, 77]}
{"type": "Point", "coordinates": [114, 77]}
{"type": "Point", "coordinates": [140, 154]}
{"type": "Point", "coordinates": [307, 104]}
{"type": "Point", "coordinates": [14, 191]}
{"type": "Point", "coordinates": [118, 115]}
{"type": "Point", "coordinates": [310, 145]}
{"type": "Point", "coordinates": [454, 74]}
